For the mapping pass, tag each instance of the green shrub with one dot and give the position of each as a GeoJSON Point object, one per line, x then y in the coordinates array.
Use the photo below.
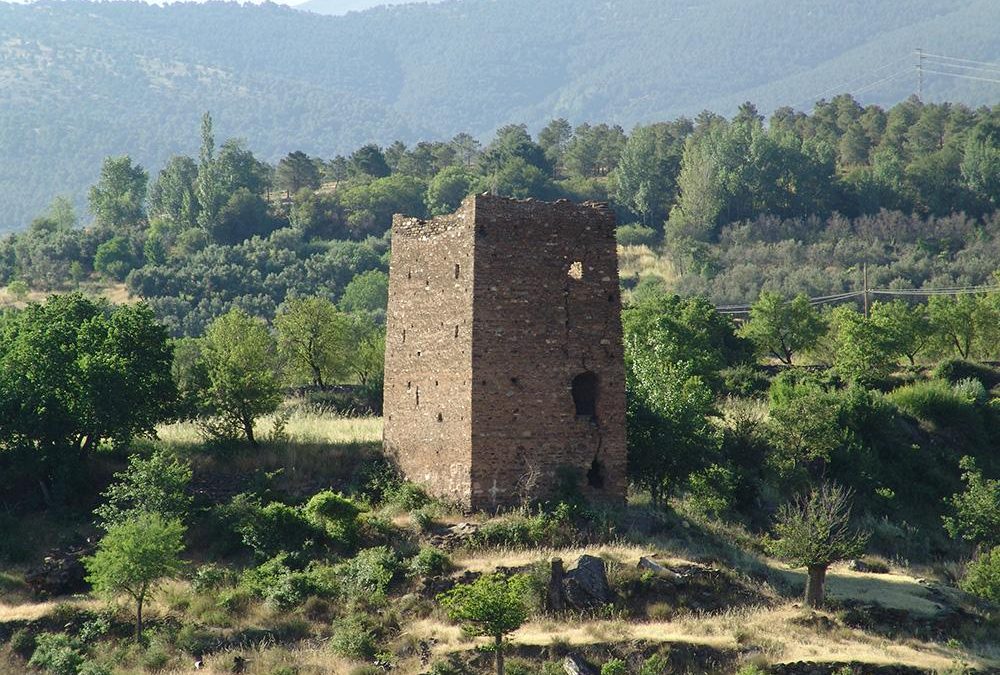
{"type": "Point", "coordinates": [422, 518]}
{"type": "Point", "coordinates": [933, 400]}
{"type": "Point", "coordinates": [354, 637]}
{"type": "Point", "coordinates": [430, 562]}
{"type": "Point", "coordinates": [56, 653]}
{"type": "Point", "coordinates": [276, 528]}
{"type": "Point", "coordinates": [634, 234]}
{"type": "Point", "coordinates": [210, 578]}
{"type": "Point", "coordinates": [406, 496]}
{"type": "Point", "coordinates": [712, 490]}
{"type": "Point", "coordinates": [235, 601]}
{"type": "Point", "coordinates": [614, 667]}
{"type": "Point", "coordinates": [194, 639]}
{"type": "Point", "coordinates": [750, 669]}
{"type": "Point", "coordinates": [519, 667]}
{"type": "Point", "coordinates": [283, 587]}
{"type": "Point", "coordinates": [744, 379]}
{"type": "Point", "coordinates": [983, 577]}
{"type": "Point", "coordinates": [954, 370]}
{"type": "Point", "coordinates": [155, 657]}
{"type": "Point", "coordinates": [337, 516]}
{"type": "Point", "coordinates": [524, 529]}
{"type": "Point", "coordinates": [22, 643]}
{"type": "Point", "coordinates": [443, 668]}
{"type": "Point", "coordinates": [367, 575]}
{"type": "Point", "coordinates": [972, 390]}
{"type": "Point", "coordinates": [94, 668]}
{"type": "Point", "coordinates": [657, 664]}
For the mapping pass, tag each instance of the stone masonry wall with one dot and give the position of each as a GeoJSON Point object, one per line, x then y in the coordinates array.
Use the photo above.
{"type": "Point", "coordinates": [428, 366]}
{"type": "Point", "coordinates": [504, 304]}
{"type": "Point", "coordinates": [547, 309]}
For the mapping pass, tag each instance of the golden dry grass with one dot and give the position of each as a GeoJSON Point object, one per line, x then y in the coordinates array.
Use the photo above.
{"type": "Point", "coordinates": [30, 611]}
{"type": "Point", "coordinates": [303, 427]}
{"type": "Point", "coordinates": [642, 261]}
{"type": "Point", "coordinates": [777, 632]}
{"type": "Point", "coordinates": [116, 293]}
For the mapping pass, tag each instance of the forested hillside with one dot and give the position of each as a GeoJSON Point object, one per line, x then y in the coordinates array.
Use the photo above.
{"type": "Point", "coordinates": [83, 81]}
{"type": "Point", "coordinates": [714, 207]}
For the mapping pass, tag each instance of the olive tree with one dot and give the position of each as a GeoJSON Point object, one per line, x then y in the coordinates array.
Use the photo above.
{"type": "Point", "coordinates": [814, 531]}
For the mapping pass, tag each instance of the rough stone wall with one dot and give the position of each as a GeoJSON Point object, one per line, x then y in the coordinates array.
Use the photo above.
{"type": "Point", "coordinates": [494, 345]}
{"type": "Point", "coordinates": [428, 366]}
{"type": "Point", "coordinates": [547, 309]}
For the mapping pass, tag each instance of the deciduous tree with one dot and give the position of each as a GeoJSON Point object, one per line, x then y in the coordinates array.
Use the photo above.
{"type": "Point", "coordinates": [134, 558]}
{"type": "Point", "coordinates": [814, 531]}
{"type": "Point", "coordinates": [492, 606]}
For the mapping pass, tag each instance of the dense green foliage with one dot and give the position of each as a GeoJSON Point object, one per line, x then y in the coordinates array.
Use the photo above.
{"type": "Point", "coordinates": [76, 374]}
{"type": "Point", "coordinates": [156, 485]}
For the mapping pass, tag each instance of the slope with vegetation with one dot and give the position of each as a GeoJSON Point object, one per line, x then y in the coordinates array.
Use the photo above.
{"type": "Point", "coordinates": [187, 463]}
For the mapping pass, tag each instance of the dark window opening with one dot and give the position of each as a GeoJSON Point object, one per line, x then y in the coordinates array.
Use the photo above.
{"type": "Point", "coordinates": [418, 397]}
{"type": "Point", "coordinates": [404, 336]}
{"type": "Point", "coordinates": [456, 331]}
{"type": "Point", "coordinates": [457, 268]}
{"type": "Point", "coordinates": [595, 475]}
{"type": "Point", "coordinates": [440, 417]}
{"type": "Point", "coordinates": [585, 394]}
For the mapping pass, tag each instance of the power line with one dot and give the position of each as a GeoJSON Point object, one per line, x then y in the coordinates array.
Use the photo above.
{"type": "Point", "coordinates": [964, 77]}
{"type": "Point", "coordinates": [827, 299]}
{"type": "Point", "coordinates": [955, 58]}
{"type": "Point", "coordinates": [873, 85]}
{"type": "Point", "coordinates": [945, 64]}
{"type": "Point", "coordinates": [851, 82]}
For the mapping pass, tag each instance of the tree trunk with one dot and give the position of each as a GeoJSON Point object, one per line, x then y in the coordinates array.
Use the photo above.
{"type": "Point", "coordinates": [138, 620]}
{"type": "Point", "coordinates": [814, 586]}
{"type": "Point", "coordinates": [499, 654]}
{"type": "Point", "coordinates": [248, 429]}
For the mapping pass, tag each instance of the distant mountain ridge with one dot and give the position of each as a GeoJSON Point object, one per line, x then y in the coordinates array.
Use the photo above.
{"type": "Point", "coordinates": [338, 7]}
{"type": "Point", "coordinates": [81, 81]}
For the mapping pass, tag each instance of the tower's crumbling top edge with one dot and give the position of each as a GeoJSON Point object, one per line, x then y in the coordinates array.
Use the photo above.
{"type": "Point", "coordinates": [465, 215]}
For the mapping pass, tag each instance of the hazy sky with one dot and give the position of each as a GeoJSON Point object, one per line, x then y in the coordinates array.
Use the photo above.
{"type": "Point", "coordinates": [348, 4]}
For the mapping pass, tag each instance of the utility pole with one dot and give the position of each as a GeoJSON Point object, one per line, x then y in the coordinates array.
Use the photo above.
{"type": "Point", "coordinates": [865, 282]}
{"type": "Point", "coordinates": [920, 73]}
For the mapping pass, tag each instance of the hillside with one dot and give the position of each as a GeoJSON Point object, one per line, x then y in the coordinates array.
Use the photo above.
{"type": "Point", "coordinates": [338, 7]}
{"type": "Point", "coordinates": [82, 81]}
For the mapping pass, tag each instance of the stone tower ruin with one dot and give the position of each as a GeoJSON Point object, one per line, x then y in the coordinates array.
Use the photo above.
{"type": "Point", "coordinates": [503, 366]}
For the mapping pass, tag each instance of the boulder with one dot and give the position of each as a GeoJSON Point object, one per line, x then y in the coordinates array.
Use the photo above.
{"type": "Point", "coordinates": [575, 665]}
{"type": "Point", "coordinates": [61, 572]}
{"type": "Point", "coordinates": [659, 570]}
{"type": "Point", "coordinates": [586, 585]}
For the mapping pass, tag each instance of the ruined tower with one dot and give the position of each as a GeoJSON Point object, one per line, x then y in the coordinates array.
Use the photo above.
{"type": "Point", "coordinates": [503, 365]}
